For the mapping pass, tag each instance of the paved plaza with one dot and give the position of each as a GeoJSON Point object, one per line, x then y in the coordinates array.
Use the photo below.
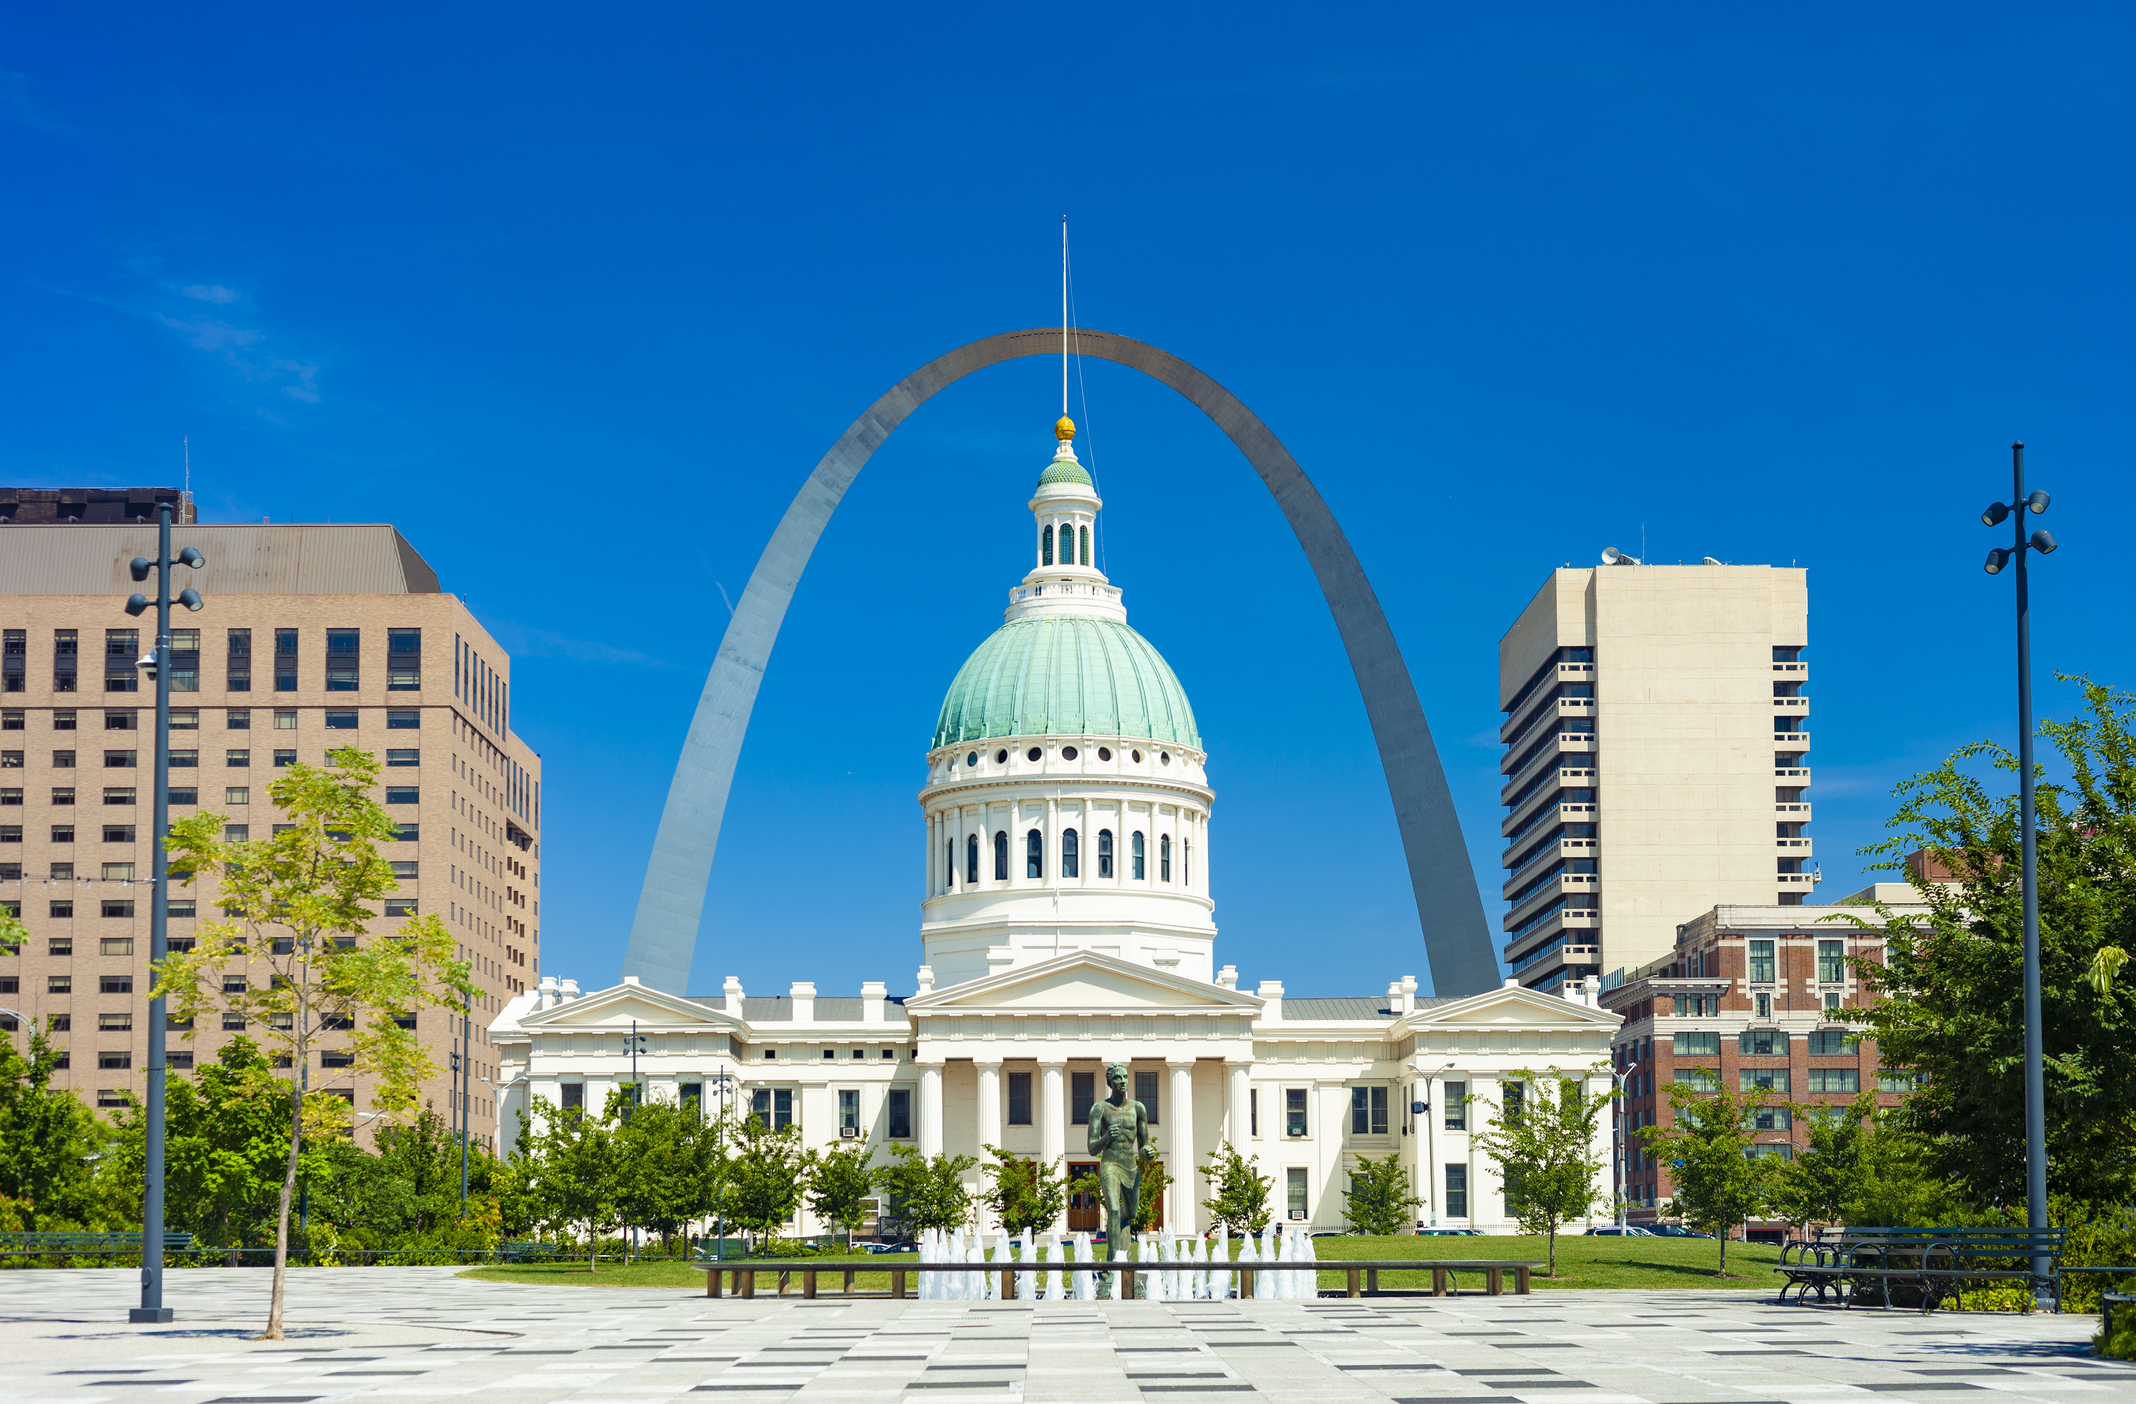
{"type": "Point", "coordinates": [422, 1333]}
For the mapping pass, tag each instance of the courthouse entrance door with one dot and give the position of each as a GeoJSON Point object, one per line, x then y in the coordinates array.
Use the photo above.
{"type": "Point", "coordinates": [1086, 1212]}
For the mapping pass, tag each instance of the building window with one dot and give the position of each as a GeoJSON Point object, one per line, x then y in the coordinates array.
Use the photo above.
{"type": "Point", "coordinates": [1761, 962]}
{"type": "Point", "coordinates": [404, 757]}
{"type": "Point", "coordinates": [66, 659]}
{"type": "Point", "coordinates": [405, 868]}
{"type": "Point", "coordinates": [1827, 1042]}
{"type": "Point", "coordinates": [1457, 1191]}
{"type": "Point", "coordinates": [1146, 1093]}
{"type": "Point", "coordinates": [116, 984]}
{"type": "Point", "coordinates": [1761, 1006]}
{"type": "Point", "coordinates": [1105, 854]}
{"type": "Point", "coordinates": [1769, 1119]}
{"type": "Point", "coordinates": [59, 984]}
{"type": "Point", "coordinates": [1019, 1099]}
{"type": "Point", "coordinates": [1762, 1043]}
{"type": "Point", "coordinates": [119, 794]}
{"type": "Point", "coordinates": [1897, 1080]}
{"type": "Point", "coordinates": [285, 721]}
{"type": "Point", "coordinates": [849, 1112]}
{"type": "Point", "coordinates": [341, 721]}
{"type": "Point", "coordinates": [1034, 855]}
{"type": "Point", "coordinates": [62, 909]}
{"type": "Point", "coordinates": [14, 659]}
{"type": "Point", "coordinates": [899, 1107]}
{"type": "Point", "coordinates": [1071, 860]}
{"type": "Point", "coordinates": [185, 660]}
{"type": "Point", "coordinates": [1081, 1093]}
{"type": "Point", "coordinates": [404, 721]}
{"type": "Point", "coordinates": [404, 660]}
{"type": "Point", "coordinates": [285, 660]}
{"type": "Point", "coordinates": [118, 833]}
{"type": "Point", "coordinates": [971, 859]}
{"type": "Point", "coordinates": [119, 872]}
{"type": "Point", "coordinates": [1368, 1111]}
{"type": "Point", "coordinates": [949, 865]}
{"type": "Point", "coordinates": [237, 758]}
{"type": "Point", "coordinates": [401, 907]}
{"type": "Point", "coordinates": [237, 665]}
{"type": "Point", "coordinates": [1294, 1111]}
{"type": "Point", "coordinates": [1294, 1191]}
{"type": "Point", "coordinates": [1835, 1080]}
{"type": "Point", "coordinates": [1762, 1080]}
{"type": "Point", "coordinates": [1831, 1001]}
{"type": "Point", "coordinates": [285, 758]}
{"type": "Point", "coordinates": [1706, 1045]}
{"type": "Point", "coordinates": [773, 1106]}
{"type": "Point", "coordinates": [574, 1094]}
{"type": "Point", "coordinates": [61, 833]}
{"type": "Point", "coordinates": [1134, 848]}
{"type": "Point", "coordinates": [1083, 538]}
{"type": "Point", "coordinates": [1253, 1111]}
{"type": "Point", "coordinates": [404, 794]}
{"type": "Point", "coordinates": [120, 650]}
{"type": "Point", "coordinates": [1001, 855]}
{"type": "Point", "coordinates": [1456, 1106]}
{"type": "Point", "coordinates": [1831, 962]}
{"type": "Point", "coordinates": [1164, 857]}
{"type": "Point", "coordinates": [1045, 549]}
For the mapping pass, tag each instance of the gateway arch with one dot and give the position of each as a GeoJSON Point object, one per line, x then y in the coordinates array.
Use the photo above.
{"type": "Point", "coordinates": [663, 936]}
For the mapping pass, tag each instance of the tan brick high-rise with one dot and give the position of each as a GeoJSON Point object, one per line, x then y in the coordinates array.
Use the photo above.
{"type": "Point", "coordinates": [313, 637]}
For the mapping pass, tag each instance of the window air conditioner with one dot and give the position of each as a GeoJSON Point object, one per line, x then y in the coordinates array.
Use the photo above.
{"type": "Point", "coordinates": [1297, 1131]}
{"type": "Point", "coordinates": [1297, 1213]}
{"type": "Point", "coordinates": [847, 1133]}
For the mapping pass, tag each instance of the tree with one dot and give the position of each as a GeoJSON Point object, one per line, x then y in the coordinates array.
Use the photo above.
{"type": "Point", "coordinates": [926, 1192]}
{"type": "Point", "coordinates": [1543, 1142]}
{"type": "Point", "coordinates": [1719, 1182]}
{"type": "Point", "coordinates": [1378, 1200]}
{"type": "Point", "coordinates": [1952, 1003]}
{"type": "Point", "coordinates": [766, 1176]}
{"type": "Point", "coordinates": [315, 879]}
{"type": "Point", "coordinates": [1827, 1181]}
{"type": "Point", "coordinates": [48, 1139]}
{"type": "Point", "coordinates": [1026, 1193]}
{"type": "Point", "coordinates": [1238, 1197]}
{"type": "Point", "coordinates": [1150, 1208]}
{"type": "Point", "coordinates": [574, 1173]}
{"type": "Point", "coordinates": [663, 1153]}
{"type": "Point", "coordinates": [839, 1185]}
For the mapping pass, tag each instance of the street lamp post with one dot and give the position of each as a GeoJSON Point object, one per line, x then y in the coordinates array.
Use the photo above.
{"type": "Point", "coordinates": [157, 662]}
{"type": "Point", "coordinates": [1621, 1139]}
{"type": "Point", "coordinates": [717, 1088]}
{"type": "Point", "coordinates": [2035, 1080]}
{"type": "Point", "coordinates": [467, 1068]}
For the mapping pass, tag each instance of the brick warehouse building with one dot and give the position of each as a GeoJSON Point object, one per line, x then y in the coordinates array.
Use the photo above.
{"type": "Point", "coordinates": [313, 636]}
{"type": "Point", "coordinates": [1751, 998]}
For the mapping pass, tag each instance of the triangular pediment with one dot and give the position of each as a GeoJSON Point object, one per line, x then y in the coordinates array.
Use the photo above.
{"type": "Point", "coordinates": [1513, 1008]}
{"type": "Point", "coordinates": [1084, 982]}
{"type": "Point", "coordinates": [619, 1005]}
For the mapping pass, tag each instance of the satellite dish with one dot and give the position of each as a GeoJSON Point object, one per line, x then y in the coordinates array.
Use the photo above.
{"type": "Point", "coordinates": [1612, 556]}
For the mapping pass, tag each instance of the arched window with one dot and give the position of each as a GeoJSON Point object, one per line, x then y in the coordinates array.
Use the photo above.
{"type": "Point", "coordinates": [1186, 862]}
{"type": "Point", "coordinates": [971, 859]}
{"type": "Point", "coordinates": [1084, 534]}
{"type": "Point", "coordinates": [1164, 857]}
{"type": "Point", "coordinates": [1134, 848]}
{"type": "Point", "coordinates": [1105, 853]}
{"type": "Point", "coordinates": [1034, 855]}
{"type": "Point", "coordinates": [1045, 550]}
{"type": "Point", "coordinates": [1070, 867]}
{"type": "Point", "coordinates": [1001, 855]}
{"type": "Point", "coordinates": [949, 866]}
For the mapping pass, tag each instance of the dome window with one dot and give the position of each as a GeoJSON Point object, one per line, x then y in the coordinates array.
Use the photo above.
{"type": "Point", "coordinates": [1033, 754]}
{"type": "Point", "coordinates": [1034, 854]}
{"type": "Point", "coordinates": [1045, 551]}
{"type": "Point", "coordinates": [1071, 860]}
{"type": "Point", "coordinates": [1134, 849]}
{"type": "Point", "coordinates": [971, 860]}
{"type": "Point", "coordinates": [1165, 756]}
{"type": "Point", "coordinates": [1084, 534]}
{"type": "Point", "coordinates": [1067, 753]}
{"type": "Point", "coordinates": [1104, 753]}
{"type": "Point", "coordinates": [1105, 854]}
{"type": "Point", "coordinates": [1135, 756]}
{"type": "Point", "coordinates": [1164, 857]}
{"type": "Point", "coordinates": [972, 759]}
{"type": "Point", "coordinates": [1001, 757]}
{"type": "Point", "coordinates": [1001, 855]}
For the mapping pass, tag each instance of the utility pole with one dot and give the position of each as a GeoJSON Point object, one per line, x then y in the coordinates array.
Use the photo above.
{"type": "Point", "coordinates": [157, 662]}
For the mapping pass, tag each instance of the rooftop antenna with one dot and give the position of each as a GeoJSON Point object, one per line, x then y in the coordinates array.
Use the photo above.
{"type": "Point", "coordinates": [1064, 315]}
{"type": "Point", "coordinates": [187, 441]}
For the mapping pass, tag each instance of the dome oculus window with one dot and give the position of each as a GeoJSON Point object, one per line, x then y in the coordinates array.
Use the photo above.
{"type": "Point", "coordinates": [1001, 757]}
{"type": "Point", "coordinates": [1104, 753]}
{"type": "Point", "coordinates": [1165, 757]}
{"type": "Point", "coordinates": [1067, 753]}
{"type": "Point", "coordinates": [1135, 756]}
{"type": "Point", "coordinates": [972, 759]}
{"type": "Point", "coordinates": [1033, 754]}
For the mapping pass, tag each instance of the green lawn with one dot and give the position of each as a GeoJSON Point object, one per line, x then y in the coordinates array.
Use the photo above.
{"type": "Point", "coordinates": [1582, 1262]}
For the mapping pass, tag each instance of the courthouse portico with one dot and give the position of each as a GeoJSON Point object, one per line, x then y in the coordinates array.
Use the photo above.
{"type": "Point", "coordinates": [1069, 924]}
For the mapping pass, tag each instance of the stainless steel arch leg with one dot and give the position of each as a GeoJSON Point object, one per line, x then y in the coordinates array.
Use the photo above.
{"type": "Point", "coordinates": [1457, 939]}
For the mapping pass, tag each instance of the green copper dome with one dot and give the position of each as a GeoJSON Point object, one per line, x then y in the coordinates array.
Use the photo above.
{"type": "Point", "coordinates": [1066, 675]}
{"type": "Point", "coordinates": [1064, 470]}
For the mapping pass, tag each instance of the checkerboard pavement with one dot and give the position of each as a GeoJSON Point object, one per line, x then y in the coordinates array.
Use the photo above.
{"type": "Point", "coordinates": [423, 1333]}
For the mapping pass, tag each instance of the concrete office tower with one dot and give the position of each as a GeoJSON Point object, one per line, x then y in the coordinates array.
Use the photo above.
{"type": "Point", "coordinates": [1656, 741]}
{"type": "Point", "coordinates": [313, 637]}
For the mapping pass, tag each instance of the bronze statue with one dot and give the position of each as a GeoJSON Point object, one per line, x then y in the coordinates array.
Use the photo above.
{"type": "Point", "coordinates": [1119, 1138]}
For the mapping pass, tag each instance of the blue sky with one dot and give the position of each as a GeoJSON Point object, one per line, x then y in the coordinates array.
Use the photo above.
{"type": "Point", "coordinates": [578, 297]}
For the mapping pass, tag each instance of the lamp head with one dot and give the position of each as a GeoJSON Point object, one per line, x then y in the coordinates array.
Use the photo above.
{"type": "Point", "coordinates": [2037, 502]}
{"type": "Point", "coordinates": [140, 566]}
{"type": "Point", "coordinates": [135, 604]}
{"type": "Point", "coordinates": [1997, 559]}
{"type": "Point", "coordinates": [2043, 542]}
{"type": "Point", "coordinates": [191, 557]}
{"type": "Point", "coordinates": [1996, 515]}
{"type": "Point", "coordinates": [190, 598]}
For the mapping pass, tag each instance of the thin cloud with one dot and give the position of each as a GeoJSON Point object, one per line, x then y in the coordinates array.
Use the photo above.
{"type": "Point", "coordinates": [542, 643]}
{"type": "Point", "coordinates": [211, 292]}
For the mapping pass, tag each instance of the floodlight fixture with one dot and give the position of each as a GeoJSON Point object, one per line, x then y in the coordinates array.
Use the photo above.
{"type": "Point", "coordinates": [2037, 502]}
{"type": "Point", "coordinates": [2043, 542]}
{"type": "Point", "coordinates": [1996, 515]}
{"type": "Point", "coordinates": [1997, 559]}
{"type": "Point", "coordinates": [140, 566]}
{"type": "Point", "coordinates": [190, 598]}
{"type": "Point", "coordinates": [136, 604]}
{"type": "Point", "coordinates": [191, 557]}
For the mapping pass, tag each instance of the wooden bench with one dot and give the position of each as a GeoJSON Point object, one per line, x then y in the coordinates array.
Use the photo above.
{"type": "Point", "coordinates": [84, 1244]}
{"type": "Point", "coordinates": [1935, 1262]}
{"type": "Point", "coordinates": [1362, 1275]}
{"type": "Point", "coordinates": [527, 1251]}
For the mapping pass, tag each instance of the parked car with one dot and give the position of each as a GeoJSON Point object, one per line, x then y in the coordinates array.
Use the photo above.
{"type": "Point", "coordinates": [1449, 1233]}
{"type": "Point", "coordinates": [1674, 1231]}
{"type": "Point", "coordinates": [1618, 1231]}
{"type": "Point", "coordinates": [907, 1247]}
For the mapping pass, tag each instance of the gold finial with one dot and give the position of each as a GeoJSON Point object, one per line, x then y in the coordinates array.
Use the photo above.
{"type": "Point", "coordinates": [1065, 430]}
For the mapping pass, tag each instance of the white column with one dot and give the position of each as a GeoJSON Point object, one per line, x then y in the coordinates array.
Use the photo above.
{"type": "Point", "coordinates": [1180, 1214]}
{"type": "Point", "coordinates": [1053, 1120]}
{"type": "Point", "coordinates": [1238, 1123]}
{"type": "Point", "coordinates": [930, 1109]}
{"type": "Point", "coordinates": [989, 1103]}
